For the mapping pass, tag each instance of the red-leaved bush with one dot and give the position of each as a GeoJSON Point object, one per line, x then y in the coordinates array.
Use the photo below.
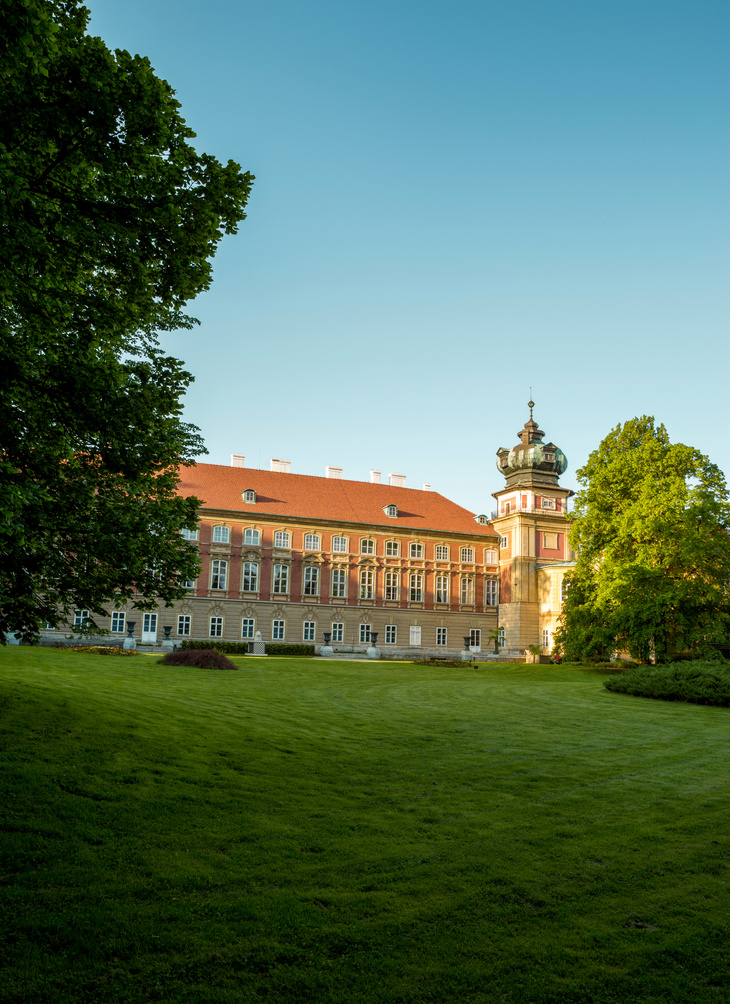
{"type": "Point", "coordinates": [198, 658]}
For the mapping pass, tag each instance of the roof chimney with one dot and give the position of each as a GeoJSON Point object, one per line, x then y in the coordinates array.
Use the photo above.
{"type": "Point", "coordinates": [333, 472]}
{"type": "Point", "coordinates": [427, 487]}
{"type": "Point", "coordinates": [374, 477]}
{"type": "Point", "coordinates": [397, 480]}
{"type": "Point", "coordinates": [282, 466]}
{"type": "Point", "coordinates": [238, 460]}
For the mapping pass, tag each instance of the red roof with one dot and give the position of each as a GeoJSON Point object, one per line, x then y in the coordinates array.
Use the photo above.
{"type": "Point", "coordinates": [332, 499]}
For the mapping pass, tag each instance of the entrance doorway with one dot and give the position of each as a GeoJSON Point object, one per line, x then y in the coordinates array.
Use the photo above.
{"type": "Point", "coordinates": [149, 629]}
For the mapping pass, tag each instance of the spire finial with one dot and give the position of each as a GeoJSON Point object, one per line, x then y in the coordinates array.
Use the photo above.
{"type": "Point", "coordinates": [530, 405]}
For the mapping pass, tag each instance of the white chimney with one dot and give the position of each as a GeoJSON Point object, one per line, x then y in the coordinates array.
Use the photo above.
{"type": "Point", "coordinates": [397, 480]}
{"type": "Point", "coordinates": [374, 477]}
{"type": "Point", "coordinates": [427, 488]}
{"type": "Point", "coordinates": [333, 472]}
{"type": "Point", "coordinates": [282, 466]}
{"type": "Point", "coordinates": [238, 460]}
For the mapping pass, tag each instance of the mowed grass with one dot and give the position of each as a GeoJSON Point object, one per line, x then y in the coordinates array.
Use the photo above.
{"type": "Point", "coordinates": [332, 832]}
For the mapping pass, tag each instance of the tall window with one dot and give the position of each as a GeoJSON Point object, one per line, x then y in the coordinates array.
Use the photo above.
{"type": "Point", "coordinates": [365, 634]}
{"type": "Point", "coordinates": [491, 594]}
{"type": "Point", "coordinates": [338, 632]}
{"type": "Point", "coordinates": [118, 618]}
{"type": "Point", "coordinates": [81, 618]}
{"type": "Point", "coordinates": [247, 627]}
{"type": "Point", "coordinates": [219, 573]}
{"type": "Point", "coordinates": [216, 627]}
{"type": "Point", "coordinates": [221, 535]}
{"type": "Point", "coordinates": [504, 541]}
{"type": "Point", "coordinates": [278, 630]}
{"type": "Point", "coordinates": [415, 634]}
{"type": "Point", "coordinates": [501, 637]}
{"type": "Point", "coordinates": [367, 546]}
{"type": "Point", "coordinates": [339, 544]}
{"type": "Point", "coordinates": [188, 583]}
{"type": "Point", "coordinates": [392, 548]}
{"type": "Point", "coordinates": [282, 538]}
{"type": "Point", "coordinates": [250, 577]}
{"type": "Point", "coordinates": [189, 534]}
{"type": "Point", "coordinates": [467, 554]}
{"type": "Point", "coordinates": [564, 587]}
{"type": "Point", "coordinates": [475, 638]}
{"type": "Point", "coordinates": [309, 630]}
{"type": "Point", "coordinates": [251, 536]}
{"type": "Point", "coordinates": [416, 587]}
{"type": "Point", "coordinates": [467, 589]}
{"type": "Point", "coordinates": [281, 578]}
{"type": "Point", "coordinates": [490, 557]}
{"type": "Point", "coordinates": [339, 582]}
{"type": "Point", "coordinates": [311, 580]}
{"type": "Point", "coordinates": [367, 581]}
{"type": "Point", "coordinates": [184, 625]}
{"type": "Point", "coordinates": [391, 585]}
{"type": "Point", "coordinates": [415, 550]}
{"type": "Point", "coordinates": [441, 636]}
{"type": "Point", "coordinates": [442, 552]}
{"type": "Point", "coordinates": [391, 634]}
{"type": "Point", "coordinates": [311, 542]}
{"type": "Point", "coordinates": [545, 638]}
{"type": "Point", "coordinates": [442, 589]}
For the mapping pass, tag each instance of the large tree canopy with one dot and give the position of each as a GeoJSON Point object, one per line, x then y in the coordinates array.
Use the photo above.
{"type": "Point", "coordinates": [108, 221]}
{"type": "Point", "coordinates": [651, 529]}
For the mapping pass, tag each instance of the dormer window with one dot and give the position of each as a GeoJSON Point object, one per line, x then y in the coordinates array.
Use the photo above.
{"type": "Point", "coordinates": [481, 518]}
{"type": "Point", "coordinates": [391, 511]}
{"type": "Point", "coordinates": [249, 495]}
{"type": "Point", "coordinates": [548, 503]}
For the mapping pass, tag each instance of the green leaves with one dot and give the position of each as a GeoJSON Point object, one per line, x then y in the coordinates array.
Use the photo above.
{"type": "Point", "coordinates": [651, 531]}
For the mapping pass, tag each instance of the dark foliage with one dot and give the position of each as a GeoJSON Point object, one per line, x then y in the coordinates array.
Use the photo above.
{"type": "Point", "coordinates": [698, 682]}
{"type": "Point", "coordinates": [241, 647]}
{"type": "Point", "coordinates": [198, 659]}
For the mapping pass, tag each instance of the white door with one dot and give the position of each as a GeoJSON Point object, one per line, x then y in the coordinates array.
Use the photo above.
{"type": "Point", "coordinates": [149, 629]}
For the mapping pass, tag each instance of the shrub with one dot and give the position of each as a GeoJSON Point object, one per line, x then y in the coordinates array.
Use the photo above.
{"type": "Point", "coordinates": [198, 658]}
{"type": "Point", "coordinates": [241, 647]}
{"type": "Point", "coordinates": [99, 649]}
{"type": "Point", "coordinates": [698, 682]}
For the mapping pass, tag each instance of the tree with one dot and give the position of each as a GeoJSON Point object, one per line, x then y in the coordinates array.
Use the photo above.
{"type": "Point", "coordinates": [651, 530]}
{"type": "Point", "coordinates": [109, 220]}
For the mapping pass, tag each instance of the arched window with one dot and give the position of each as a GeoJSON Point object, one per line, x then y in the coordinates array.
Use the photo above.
{"type": "Point", "coordinates": [467, 554]}
{"type": "Point", "coordinates": [251, 536]}
{"type": "Point", "coordinates": [250, 577]}
{"type": "Point", "coordinates": [221, 535]}
{"type": "Point", "coordinates": [442, 589]}
{"type": "Point", "coordinates": [391, 585]}
{"type": "Point", "coordinates": [490, 557]}
{"type": "Point", "coordinates": [415, 550]}
{"type": "Point", "coordinates": [282, 538]}
{"type": "Point", "coordinates": [442, 552]}
{"type": "Point", "coordinates": [281, 579]}
{"type": "Point", "coordinates": [467, 589]}
{"type": "Point", "coordinates": [367, 546]}
{"type": "Point", "coordinates": [392, 548]}
{"type": "Point", "coordinates": [416, 587]}
{"type": "Point", "coordinates": [218, 574]}
{"type": "Point", "coordinates": [249, 495]}
{"type": "Point", "coordinates": [311, 580]}
{"type": "Point", "coordinates": [311, 542]}
{"type": "Point", "coordinates": [339, 544]}
{"type": "Point", "coordinates": [189, 534]}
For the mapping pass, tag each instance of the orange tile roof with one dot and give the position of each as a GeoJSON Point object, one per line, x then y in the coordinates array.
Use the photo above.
{"type": "Point", "coordinates": [307, 497]}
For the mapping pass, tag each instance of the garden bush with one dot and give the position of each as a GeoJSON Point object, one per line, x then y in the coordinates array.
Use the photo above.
{"type": "Point", "coordinates": [99, 649]}
{"type": "Point", "coordinates": [699, 682]}
{"type": "Point", "coordinates": [241, 647]}
{"type": "Point", "coordinates": [198, 658]}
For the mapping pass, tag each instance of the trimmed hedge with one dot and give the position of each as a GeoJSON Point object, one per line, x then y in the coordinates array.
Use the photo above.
{"type": "Point", "coordinates": [241, 647]}
{"type": "Point", "coordinates": [99, 649]}
{"type": "Point", "coordinates": [198, 659]}
{"type": "Point", "coordinates": [697, 682]}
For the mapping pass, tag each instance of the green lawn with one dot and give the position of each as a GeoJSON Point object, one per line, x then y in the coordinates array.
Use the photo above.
{"type": "Point", "coordinates": [355, 832]}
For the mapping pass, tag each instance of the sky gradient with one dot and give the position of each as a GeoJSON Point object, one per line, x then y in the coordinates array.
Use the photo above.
{"type": "Point", "coordinates": [454, 205]}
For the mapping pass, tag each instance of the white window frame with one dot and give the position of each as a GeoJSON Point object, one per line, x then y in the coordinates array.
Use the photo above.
{"type": "Point", "coordinates": [441, 552]}
{"type": "Point", "coordinates": [310, 586]}
{"type": "Point", "coordinates": [564, 587]}
{"type": "Point", "coordinates": [278, 630]}
{"type": "Point", "coordinates": [338, 632]}
{"type": "Point", "coordinates": [118, 622]}
{"type": "Point", "coordinates": [309, 631]}
{"type": "Point", "coordinates": [414, 635]}
{"type": "Point", "coordinates": [546, 637]}
{"type": "Point", "coordinates": [441, 636]}
{"type": "Point", "coordinates": [188, 583]}
{"type": "Point", "coordinates": [392, 549]}
{"type": "Point", "coordinates": [184, 625]}
{"type": "Point", "coordinates": [547, 503]}
{"type": "Point", "coordinates": [391, 511]}
{"type": "Point", "coordinates": [491, 557]}
{"type": "Point", "coordinates": [501, 637]}
{"type": "Point", "coordinates": [491, 592]}
{"type": "Point", "coordinates": [466, 554]}
{"type": "Point", "coordinates": [338, 583]}
{"type": "Point", "coordinates": [218, 573]}
{"type": "Point", "coordinates": [250, 577]}
{"type": "Point", "coordinates": [252, 537]}
{"type": "Point", "coordinates": [215, 627]}
{"type": "Point", "coordinates": [415, 550]}
{"type": "Point", "coordinates": [367, 584]}
{"type": "Point", "coordinates": [249, 495]}
{"type": "Point", "coordinates": [365, 630]}
{"type": "Point", "coordinates": [282, 538]}
{"type": "Point", "coordinates": [466, 590]}
{"type": "Point", "coordinates": [188, 534]}
{"type": "Point", "coordinates": [248, 627]}
{"type": "Point", "coordinates": [312, 542]}
{"type": "Point", "coordinates": [475, 638]}
{"type": "Point", "coordinates": [391, 634]}
{"type": "Point", "coordinates": [339, 545]}
{"type": "Point", "coordinates": [504, 541]}
{"type": "Point", "coordinates": [280, 585]}
{"type": "Point", "coordinates": [392, 585]}
{"type": "Point", "coordinates": [221, 534]}
{"type": "Point", "coordinates": [367, 545]}
{"type": "Point", "coordinates": [415, 587]}
{"type": "Point", "coordinates": [441, 587]}
{"type": "Point", "coordinates": [81, 618]}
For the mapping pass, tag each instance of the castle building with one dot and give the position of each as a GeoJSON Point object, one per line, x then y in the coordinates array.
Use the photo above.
{"type": "Point", "coordinates": [532, 523]}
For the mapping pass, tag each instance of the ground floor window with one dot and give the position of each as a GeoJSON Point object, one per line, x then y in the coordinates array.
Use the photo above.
{"type": "Point", "coordinates": [365, 633]}
{"type": "Point", "coordinates": [309, 630]}
{"type": "Point", "coordinates": [391, 634]}
{"type": "Point", "coordinates": [475, 638]}
{"type": "Point", "coordinates": [441, 636]}
{"type": "Point", "coordinates": [278, 630]}
{"type": "Point", "coordinates": [80, 618]}
{"type": "Point", "coordinates": [545, 638]}
{"type": "Point", "coordinates": [338, 632]}
{"type": "Point", "coordinates": [501, 637]}
{"type": "Point", "coordinates": [118, 619]}
{"type": "Point", "coordinates": [247, 626]}
{"type": "Point", "coordinates": [216, 627]}
{"type": "Point", "coordinates": [415, 634]}
{"type": "Point", "coordinates": [184, 624]}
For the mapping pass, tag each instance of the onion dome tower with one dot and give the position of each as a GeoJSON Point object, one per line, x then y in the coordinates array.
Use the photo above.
{"type": "Point", "coordinates": [532, 522]}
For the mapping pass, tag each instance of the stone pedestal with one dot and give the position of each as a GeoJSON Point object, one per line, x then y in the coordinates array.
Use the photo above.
{"type": "Point", "coordinates": [258, 646]}
{"type": "Point", "coordinates": [326, 650]}
{"type": "Point", "coordinates": [130, 642]}
{"type": "Point", "coordinates": [167, 645]}
{"type": "Point", "coordinates": [373, 652]}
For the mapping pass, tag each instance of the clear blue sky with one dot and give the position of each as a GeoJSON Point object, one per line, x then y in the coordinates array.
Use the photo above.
{"type": "Point", "coordinates": [454, 203]}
